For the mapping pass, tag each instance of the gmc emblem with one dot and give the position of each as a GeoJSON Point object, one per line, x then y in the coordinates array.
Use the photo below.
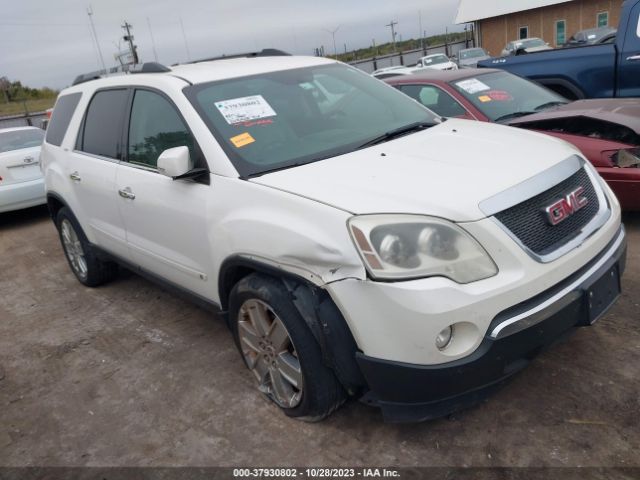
{"type": "Point", "coordinates": [565, 207]}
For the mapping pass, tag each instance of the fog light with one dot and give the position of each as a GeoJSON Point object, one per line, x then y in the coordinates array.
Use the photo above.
{"type": "Point", "coordinates": [444, 338]}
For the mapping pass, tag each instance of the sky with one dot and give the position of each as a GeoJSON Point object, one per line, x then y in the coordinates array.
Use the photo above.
{"type": "Point", "coordinates": [49, 43]}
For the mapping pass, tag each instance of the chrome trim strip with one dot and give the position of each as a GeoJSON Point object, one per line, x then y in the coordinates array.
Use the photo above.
{"type": "Point", "coordinates": [140, 167]}
{"type": "Point", "coordinates": [115, 160]}
{"type": "Point", "coordinates": [495, 334]}
{"type": "Point", "coordinates": [531, 187]}
{"type": "Point", "coordinates": [97, 157]}
{"type": "Point", "coordinates": [25, 165]}
{"type": "Point", "coordinates": [600, 218]}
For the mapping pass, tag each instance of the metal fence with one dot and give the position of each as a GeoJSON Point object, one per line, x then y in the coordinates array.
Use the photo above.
{"type": "Point", "coordinates": [409, 57]}
{"type": "Point", "coordinates": [36, 119]}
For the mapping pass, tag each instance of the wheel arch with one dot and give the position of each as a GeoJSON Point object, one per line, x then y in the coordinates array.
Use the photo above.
{"type": "Point", "coordinates": [317, 309]}
{"type": "Point", "coordinates": [54, 204]}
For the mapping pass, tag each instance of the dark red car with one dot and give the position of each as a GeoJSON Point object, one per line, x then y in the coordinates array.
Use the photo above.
{"type": "Point", "coordinates": [607, 131]}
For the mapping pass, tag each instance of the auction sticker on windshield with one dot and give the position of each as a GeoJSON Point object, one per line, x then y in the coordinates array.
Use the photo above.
{"type": "Point", "coordinates": [244, 109]}
{"type": "Point", "coordinates": [473, 85]}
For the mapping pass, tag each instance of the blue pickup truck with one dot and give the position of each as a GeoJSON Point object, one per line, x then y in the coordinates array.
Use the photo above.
{"type": "Point", "coordinates": [595, 71]}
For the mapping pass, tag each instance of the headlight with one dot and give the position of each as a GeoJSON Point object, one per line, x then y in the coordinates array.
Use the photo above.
{"type": "Point", "coordinates": [397, 247]}
{"type": "Point", "coordinates": [629, 158]}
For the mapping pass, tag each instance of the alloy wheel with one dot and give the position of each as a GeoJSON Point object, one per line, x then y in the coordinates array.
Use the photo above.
{"type": "Point", "coordinates": [73, 248]}
{"type": "Point", "coordinates": [269, 353]}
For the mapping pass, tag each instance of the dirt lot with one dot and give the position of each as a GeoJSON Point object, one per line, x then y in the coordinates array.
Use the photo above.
{"type": "Point", "coordinates": [130, 375]}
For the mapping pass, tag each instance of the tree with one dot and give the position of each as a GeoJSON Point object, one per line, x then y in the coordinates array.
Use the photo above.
{"type": "Point", "coordinates": [5, 84]}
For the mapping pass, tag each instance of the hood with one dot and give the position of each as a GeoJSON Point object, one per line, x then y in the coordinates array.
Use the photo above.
{"type": "Point", "coordinates": [445, 171]}
{"type": "Point", "coordinates": [624, 112]}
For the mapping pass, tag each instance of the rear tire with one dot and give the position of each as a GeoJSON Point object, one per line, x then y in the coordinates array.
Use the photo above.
{"type": "Point", "coordinates": [85, 264]}
{"type": "Point", "coordinates": [279, 349]}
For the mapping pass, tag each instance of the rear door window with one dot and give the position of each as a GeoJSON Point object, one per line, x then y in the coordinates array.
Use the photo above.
{"type": "Point", "coordinates": [62, 113]}
{"type": "Point", "coordinates": [102, 130]}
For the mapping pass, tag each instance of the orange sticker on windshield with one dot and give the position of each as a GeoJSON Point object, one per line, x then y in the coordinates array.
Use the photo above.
{"type": "Point", "coordinates": [242, 140]}
{"type": "Point", "coordinates": [484, 98]}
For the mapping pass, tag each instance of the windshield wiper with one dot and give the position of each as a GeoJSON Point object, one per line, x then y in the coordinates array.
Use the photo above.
{"type": "Point", "coordinates": [509, 116]}
{"type": "Point", "coordinates": [398, 132]}
{"type": "Point", "coordinates": [549, 105]}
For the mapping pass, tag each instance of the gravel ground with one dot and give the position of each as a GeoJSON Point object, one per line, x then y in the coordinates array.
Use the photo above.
{"type": "Point", "coordinates": [129, 375]}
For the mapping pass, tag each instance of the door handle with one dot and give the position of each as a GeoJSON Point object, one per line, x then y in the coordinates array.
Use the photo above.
{"type": "Point", "coordinates": [633, 58]}
{"type": "Point", "coordinates": [75, 176]}
{"type": "Point", "coordinates": [127, 193]}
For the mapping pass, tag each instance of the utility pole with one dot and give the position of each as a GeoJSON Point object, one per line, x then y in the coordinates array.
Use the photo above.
{"type": "Point", "coordinates": [333, 35]}
{"type": "Point", "coordinates": [95, 36]}
{"type": "Point", "coordinates": [393, 33]}
{"type": "Point", "coordinates": [129, 38]}
{"type": "Point", "coordinates": [153, 43]}
{"type": "Point", "coordinates": [446, 41]}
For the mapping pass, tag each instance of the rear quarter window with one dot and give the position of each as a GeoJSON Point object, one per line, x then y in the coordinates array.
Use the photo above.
{"type": "Point", "coordinates": [62, 113]}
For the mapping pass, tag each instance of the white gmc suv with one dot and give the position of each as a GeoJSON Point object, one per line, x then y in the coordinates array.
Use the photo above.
{"type": "Point", "coordinates": [358, 245]}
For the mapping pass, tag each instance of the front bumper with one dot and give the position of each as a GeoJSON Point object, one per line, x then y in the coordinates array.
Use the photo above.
{"type": "Point", "coordinates": [407, 392]}
{"type": "Point", "coordinates": [22, 195]}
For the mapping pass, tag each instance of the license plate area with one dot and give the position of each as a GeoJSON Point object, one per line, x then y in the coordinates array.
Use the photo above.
{"type": "Point", "coordinates": [601, 294]}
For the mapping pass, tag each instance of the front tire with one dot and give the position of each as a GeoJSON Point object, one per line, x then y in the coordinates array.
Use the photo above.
{"type": "Point", "coordinates": [85, 264]}
{"type": "Point", "coordinates": [279, 349]}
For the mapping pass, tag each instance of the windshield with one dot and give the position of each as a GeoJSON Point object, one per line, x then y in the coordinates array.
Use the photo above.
{"type": "Point", "coordinates": [18, 139]}
{"type": "Point", "coordinates": [474, 53]}
{"type": "Point", "coordinates": [435, 60]}
{"type": "Point", "coordinates": [502, 96]}
{"type": "Point", "coordinates": [282, 119]}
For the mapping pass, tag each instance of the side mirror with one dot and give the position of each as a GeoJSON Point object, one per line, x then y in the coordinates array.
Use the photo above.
{"type": "Point", "coordinates": [175, 162]}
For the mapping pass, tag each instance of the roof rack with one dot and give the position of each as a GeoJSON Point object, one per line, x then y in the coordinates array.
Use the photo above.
{"type": "Point", "coordinates": [147, 67]}
{"type": "Point", "coordinates": [266, 52]}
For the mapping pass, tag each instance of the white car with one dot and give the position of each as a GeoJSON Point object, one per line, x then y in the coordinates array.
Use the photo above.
{"type": "Point", "coordinates": [389, 72]}
{"type": "Point", "coordinates": [21, 181]}
{"type": "Point", "coordinates": [358, 246]}
{"type": "Point", "coordinates": [437, 61]}
{"type": "Point", "coordinates": [526, 45]}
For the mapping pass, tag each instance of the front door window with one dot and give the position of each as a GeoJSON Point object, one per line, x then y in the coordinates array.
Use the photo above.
{"type": "Point", "coordinates": [155, 126]}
